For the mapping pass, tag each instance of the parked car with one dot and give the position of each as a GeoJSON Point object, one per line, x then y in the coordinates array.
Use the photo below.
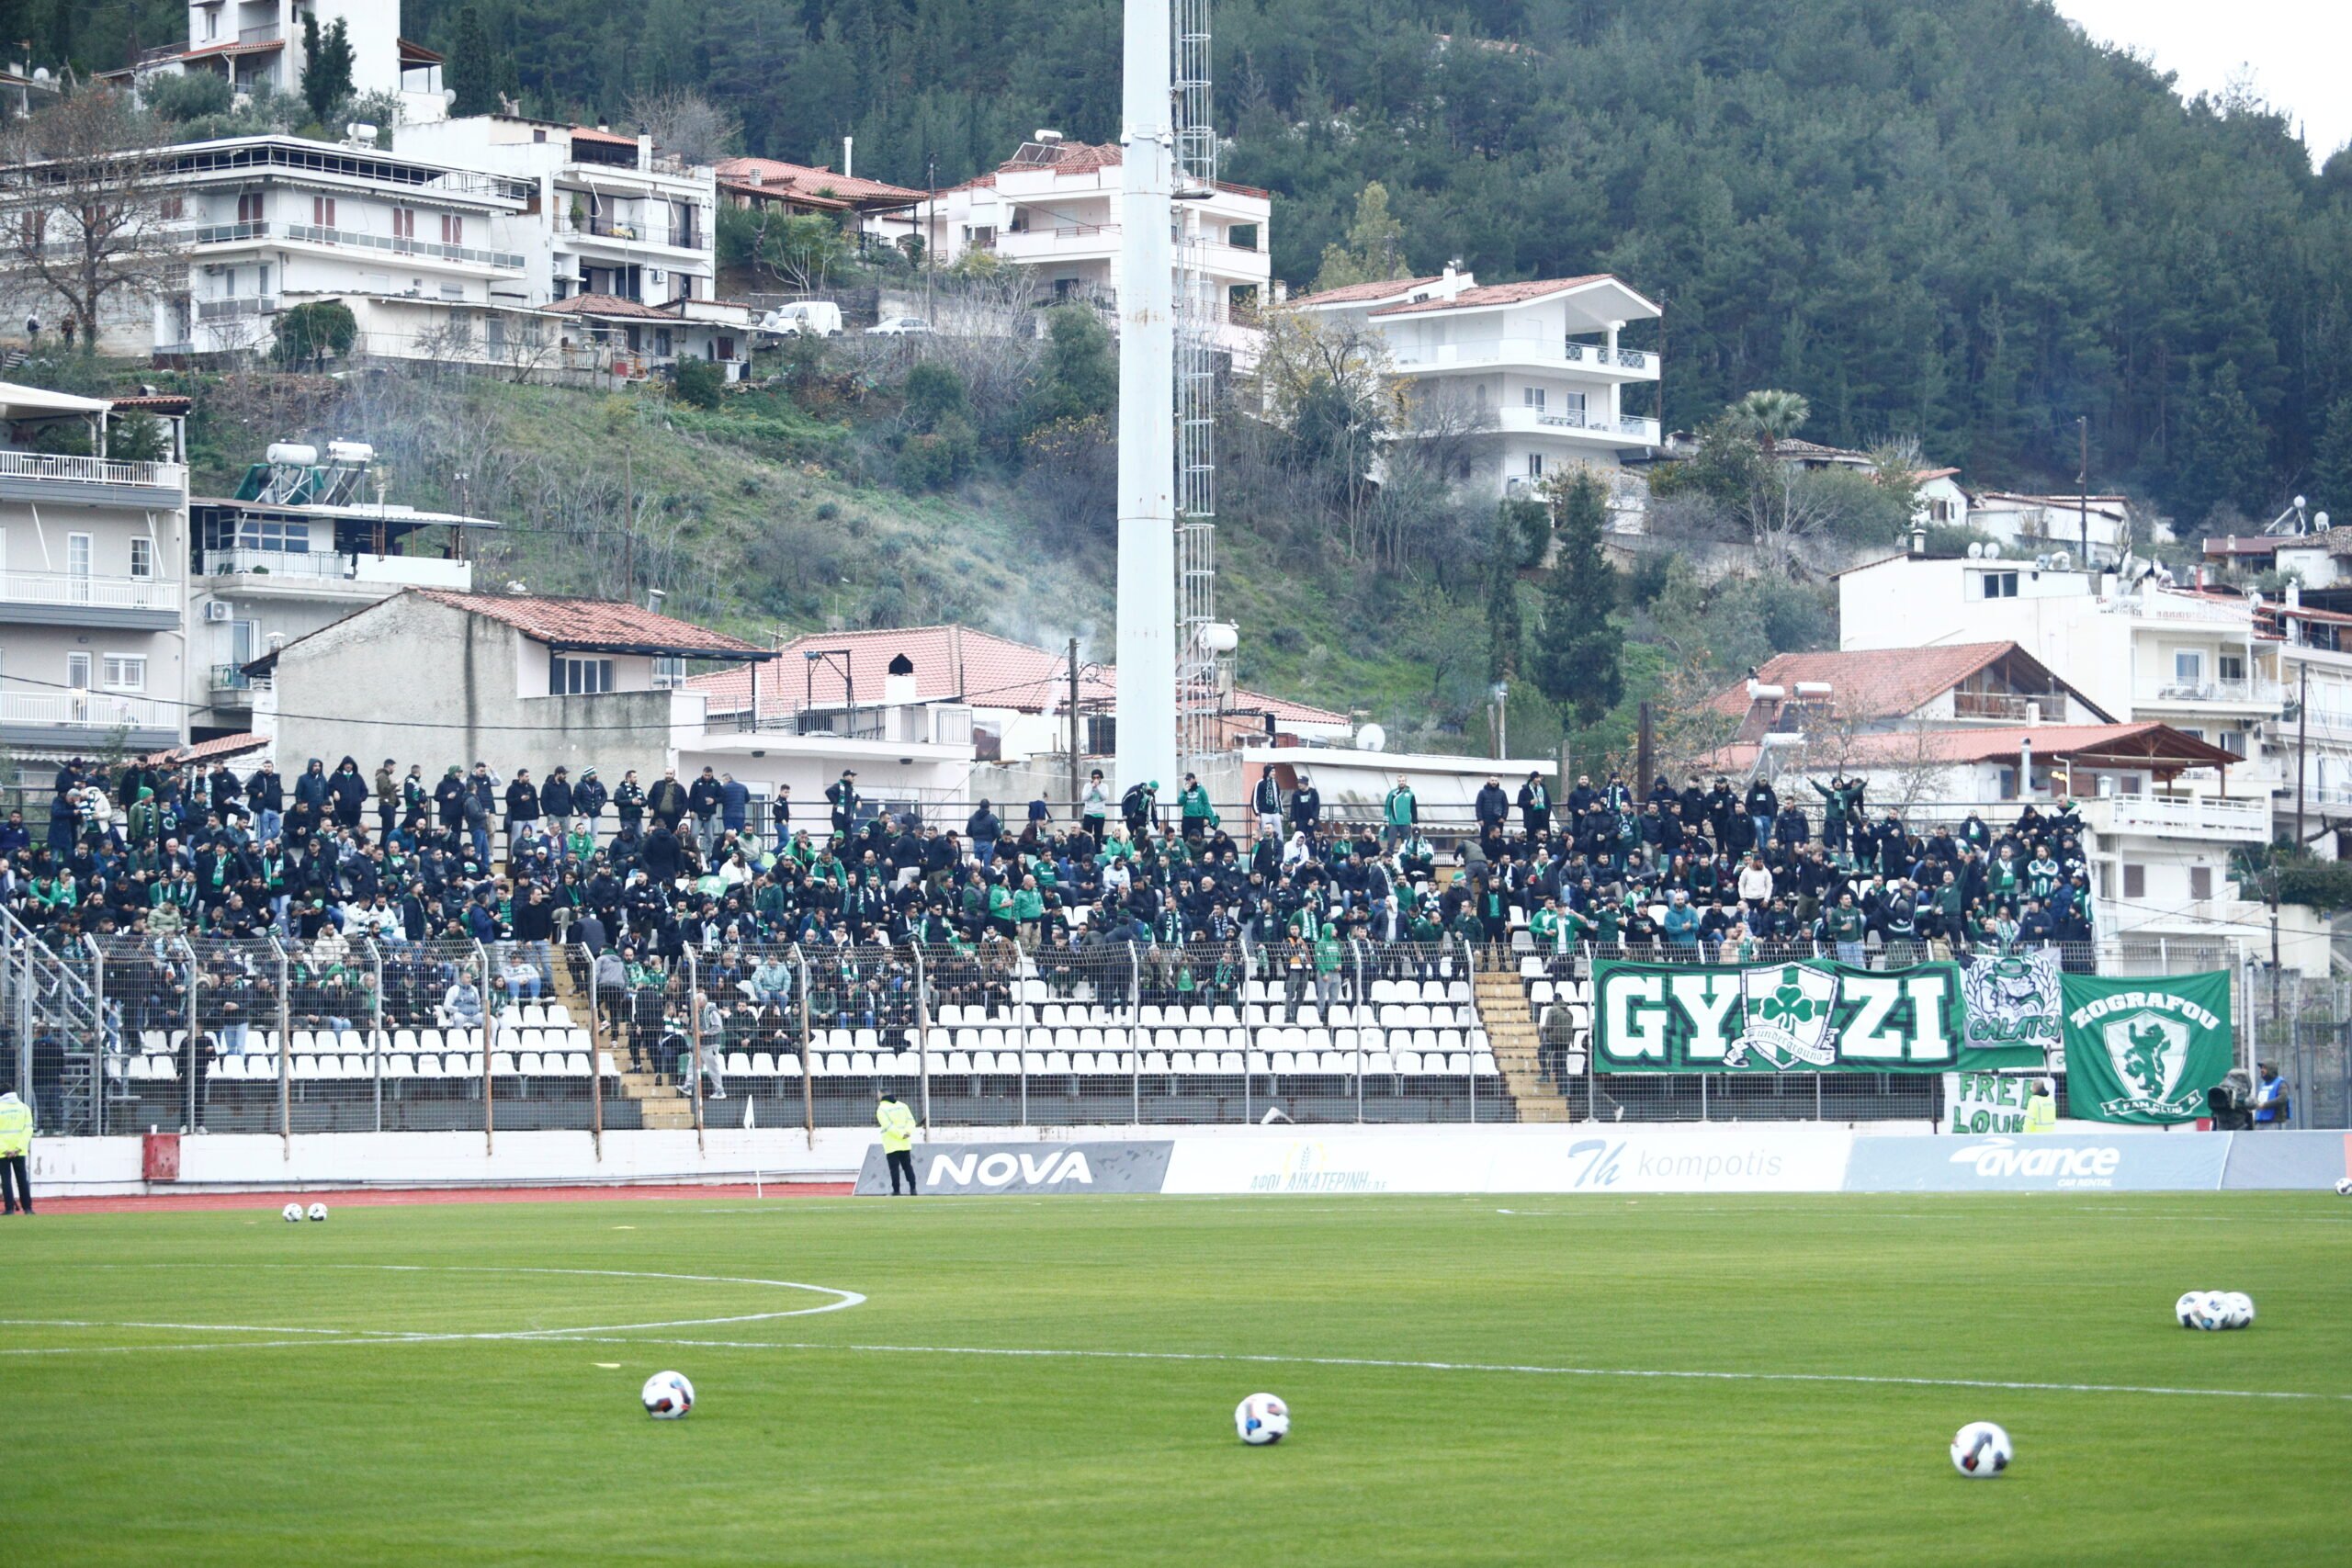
{"type": "Point", "coordinates": [813, 318]}
{"type": "Point", "coordinates": [898, 326]}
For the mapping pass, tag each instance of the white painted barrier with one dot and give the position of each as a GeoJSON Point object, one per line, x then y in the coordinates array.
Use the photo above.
{"type": "Point", "coordinates": [1718, 1158]}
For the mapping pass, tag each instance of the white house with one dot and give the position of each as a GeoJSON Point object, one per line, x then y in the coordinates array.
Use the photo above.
{"type": "Point", "coordinates": [1540, 364]}
{"type": "Point", "coordinates": [91, 617]}
{"type": "Point", "coordinates": [1053, 208]}
{"type": "Point", "coordinates": [258, 45]}
{"type": "Point", "coordinates": [2095, 530]}
{"type": "Point", "coordinates": [606, 214]}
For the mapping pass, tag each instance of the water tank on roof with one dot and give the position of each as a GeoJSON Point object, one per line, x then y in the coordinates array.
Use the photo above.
{"type": "Point", "coordinates": [292, 454]}
{"type": "Point", "coordinates": [350, 454]}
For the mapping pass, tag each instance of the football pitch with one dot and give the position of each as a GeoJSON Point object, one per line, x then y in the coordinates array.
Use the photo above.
{"type": "Point", "coordinates": [1051, 1381]}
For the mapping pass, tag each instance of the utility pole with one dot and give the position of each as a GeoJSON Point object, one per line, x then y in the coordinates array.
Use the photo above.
{"type": "Point", "coordinates": [2083, 489]}
{"type": "Point", "coordinates": [1074, 811]}
{"type": "Point", "coordinates": [2302, 723]}
{"type": "Point", "coordinates": [628, 520]}
{"type": "Point", "coordinates": [1644, 743]}
{"type": "Point", "coordinates": [930, 230]}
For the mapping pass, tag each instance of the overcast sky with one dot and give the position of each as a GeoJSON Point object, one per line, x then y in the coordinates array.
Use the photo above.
{"type": "Point", "coordinates": [2299, 50]}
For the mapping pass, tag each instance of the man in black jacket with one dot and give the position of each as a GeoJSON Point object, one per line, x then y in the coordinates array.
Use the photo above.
{"type": "Point", "coordinates": [1493, 806]}
{"type": "Point", "coordinates": [842, 793]}
{"type": "Point", "coordinates": [1306, 806]}
{"type": "Point", "coordinates": [1536, 805]}
{"type": "Point", "coordinates": [703, 799]}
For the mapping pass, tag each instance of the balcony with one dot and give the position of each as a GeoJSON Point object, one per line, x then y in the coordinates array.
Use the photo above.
{"type": "Point", "coordinates": [237, 309]}
{"type": "Point", "coordinates": [2008, 708]}
{"type": "Point", "coordinates": [328, 573]}
{"type": "Point", "coordinates": [505, 261]}
{"type": "Point", "coordinates": [1598, 359]}
{"type": "Point", "coordinates": [264, 34]}
{"type": "Point", "coordinates": [628, 231]}
{"type": "Point", "coordinates": [52, 478]}
{"type": "Point", "coordinates": [1620, 432]}
{"type": "Point", "coordinates": [70, 599]}
{"type": "Point", "coordinates": [84, 719]}
{"type": "Point", "coordinates": [2193, 817]}
{"type": "Point", "coordinates": [231, 687]}
{"type": "Point", "coordinates": [2265, 694]}
{"type": "Point", "coordinates": [227, 233]}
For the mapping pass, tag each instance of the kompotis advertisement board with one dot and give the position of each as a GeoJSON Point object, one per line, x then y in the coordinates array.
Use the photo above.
{"type": "Point", "coordinates": [1811, 1016]}
{"type": "Point", "coordinates": [2145, 1049]}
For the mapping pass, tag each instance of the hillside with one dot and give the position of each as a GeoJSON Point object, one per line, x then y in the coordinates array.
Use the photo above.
{"type": "Point", "coordinates": [1958, 219]}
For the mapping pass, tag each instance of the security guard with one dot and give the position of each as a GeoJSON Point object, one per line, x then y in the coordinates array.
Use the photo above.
{"type": "Point", "coordinates": [898, 1124]}
{"type": "Point", "coordinates": [2041, 1109]}
{"type": "Point", "coordinates": [16, 1149]}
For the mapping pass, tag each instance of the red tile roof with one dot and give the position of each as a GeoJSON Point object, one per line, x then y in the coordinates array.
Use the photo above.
{"type": "Point", "coordinates": [804, 180]}
{"type": "Point", "coordinates": [157, 402]}
{"type": "Point", "coordinates": [1880, 684]}
{"type": "Point", "coordinates": [1078, 158]}
{"type": "Point", "coordinates": [1503, 294]}
{"type": "Point", "coordinates": [588, 133]}
{"type": "Point", "coordinates": [416, 53]}
{"type": "Point", "coordinates": [606, 305]}
{"type": "Point", "coordinates": [951, 663]}
{"type": "Point", "coordinates": [209, 750]}
{"type": "Point", "coordinates": [596, 624]}
{"type": "Point", "coordinates": [1355, 293]}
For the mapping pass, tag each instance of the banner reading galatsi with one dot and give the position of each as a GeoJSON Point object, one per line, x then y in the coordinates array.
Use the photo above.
{"type": "Point", "coordinates": [2145, 1049]}
{"type": "Point", "coordinates": [1809, 1016]}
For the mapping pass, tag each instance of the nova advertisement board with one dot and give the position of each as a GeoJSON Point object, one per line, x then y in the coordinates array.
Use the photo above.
{"type": "Point", "coordinates": [952, 1170]}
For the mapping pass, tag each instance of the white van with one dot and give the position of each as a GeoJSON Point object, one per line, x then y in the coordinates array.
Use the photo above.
{"type": "Point", "coordinates": [816, 318]}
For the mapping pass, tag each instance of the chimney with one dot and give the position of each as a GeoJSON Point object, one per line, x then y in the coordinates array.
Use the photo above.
{"type": "Point", "coordinates": [849, 152]}
{"type": "Point", "coordinates": [2294, 595]}
{"type": "Point", "coordinates": [1918, 540]}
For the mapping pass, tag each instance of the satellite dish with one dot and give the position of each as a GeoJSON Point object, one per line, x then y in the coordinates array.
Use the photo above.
{"type": "Point", "coordinates": [1976, 552]}
{"type": "Point", "coordinates": [2298, 504]}
{"type": "Point", "coordinates": [2041, 563]}
{"type": "Point", "coordinates": [2319, 521]}
{"type": "Point", "coordinates": [1371, 738]}
{"type": "Point", "coordinates": [40, 73]}
{"type": "Point", "coordinates": [1992, 549]}
{"type": "Point", "coordinates": [2061, 560]}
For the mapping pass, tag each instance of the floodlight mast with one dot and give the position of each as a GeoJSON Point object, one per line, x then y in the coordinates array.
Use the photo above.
{"type": "Point", "coordinates": [1147, 638]}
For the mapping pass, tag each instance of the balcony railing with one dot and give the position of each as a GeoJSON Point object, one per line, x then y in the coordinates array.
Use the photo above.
{"type": "Point", "coordinates": [2211, 692]}
{"type": "Point", "coordinates": [81, 710]}
{"type": "Point", "coordinates": [399, 246]}
{"type": "Point", "coordinates": [230, 678]}
{"type": "Point", "coordinates": [228, 234]}
{"type": "Point", "coordinates": [1568, 354]}
{"type": "Point", "coordinates": [1645, 430]}
{"type": "Point", "coordinates": [2010, 707]}
{"type": "Point", "coordinates": [233, 309]}
{"type": "Point", "coordinates": [88, 470]}
{"type": "Point", "coordinates": [600, 226]}
{"type": "Point", "coordinates": [2191, 815]}
{"type": "Point", "coordinates": [309, 568]}
{"type": "Point", "coordinates": [97, 592]}
{"type": "Point", "coordinates": [264, 34]}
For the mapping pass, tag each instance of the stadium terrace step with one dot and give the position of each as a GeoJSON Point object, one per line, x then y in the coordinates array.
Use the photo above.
{"type": "Point", "coordinates": [1511, 1031]}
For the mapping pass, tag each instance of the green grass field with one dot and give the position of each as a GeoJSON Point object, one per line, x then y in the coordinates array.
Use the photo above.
{"type": "Point", "coordinates": [224, 1388]}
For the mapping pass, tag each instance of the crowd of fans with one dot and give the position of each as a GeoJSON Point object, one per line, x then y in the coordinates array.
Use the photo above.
{"type": "Point", "coordinates": [624, 877]}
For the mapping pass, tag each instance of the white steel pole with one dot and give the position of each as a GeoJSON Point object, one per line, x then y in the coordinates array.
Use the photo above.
{"type": "Point", "coordinates": [1146, 641]}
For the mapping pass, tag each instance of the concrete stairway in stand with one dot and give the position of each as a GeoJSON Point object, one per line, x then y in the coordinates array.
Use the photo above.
{"type": "Point", "coordinates": [658, 1103]}
{"type": "Point", "coordinates": [1511, 1034]}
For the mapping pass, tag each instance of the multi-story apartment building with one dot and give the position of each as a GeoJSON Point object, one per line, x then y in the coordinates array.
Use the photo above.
{"type": "Point", "coordinates": [417, 250]}
{"type": "Point", "coordinates": [307, 539]}
{"type": "Point", "coordinates": [92, 632]}
{"type": "Point", "coordinates": [602, 214]}
{"type": "Point", "coordinates": [1053, 208]}
{"type": "Point", "coordinates": [1541, 364]}
{"type": "Point", "coordinates": [259, 46]}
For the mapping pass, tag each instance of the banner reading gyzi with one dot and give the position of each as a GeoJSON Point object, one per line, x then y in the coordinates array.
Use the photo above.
{"type": "Point", "coordinates": [1807, 1016]}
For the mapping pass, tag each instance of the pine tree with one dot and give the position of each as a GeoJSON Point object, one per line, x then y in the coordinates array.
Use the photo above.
{"type": "Point", "coordinates": [472, 73]}
{"type": "Point", "coordinates": [1576, 653]}
{"type": "Point", "coordinates": [1375, 250]}
{"type": "Point", "coordinates": [2332, 463]}
{"type": "Point", "coordinates": [326, 76]}
{"type": "Point", "coordinates": [1506, 631]}
{"type": "Point", "coordinates": [2225, 456]}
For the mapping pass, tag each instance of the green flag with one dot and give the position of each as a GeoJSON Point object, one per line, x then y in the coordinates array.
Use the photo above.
{"type": "Point", "coordinates": [2145, 1049]}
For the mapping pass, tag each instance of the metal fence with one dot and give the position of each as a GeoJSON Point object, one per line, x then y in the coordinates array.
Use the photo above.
{"type": "Point", "coordinates": [358, 1034]}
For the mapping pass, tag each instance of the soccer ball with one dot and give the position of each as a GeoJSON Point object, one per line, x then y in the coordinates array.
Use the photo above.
{"type": "Point", "coordinates": [318, 1210]}
{"type": "Point", "coordinates": [2344, 1187]}
{"type": "Point", "coordinates": [2240, 1307]}
{"type": "Point", "coordinates": [1261, 1418]}
{"type": "Point", "coordinates": [667, 1395]}
{"type": "Point", "coordinates": [293, 1214]}
{"type": "Point", "coordinates": [1980, 1450]}
{"type": "Point", "coordinates": [2185, 1309]}
{"type": "Point", "coordinates": [2213, 1310]}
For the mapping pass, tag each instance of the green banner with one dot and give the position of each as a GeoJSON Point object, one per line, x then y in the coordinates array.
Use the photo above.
{"type": "Point", "coordinates": [2145, 1049]}
{"type": "Point", "coordinates": [1811, 1016]}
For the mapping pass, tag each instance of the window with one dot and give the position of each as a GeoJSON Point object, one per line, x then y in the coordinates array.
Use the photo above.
{"type": "Point", "coordinates": [2008, 785]}
{"type": "Point", "coordinates": [126, 671]}
{"type": "Point", "coordinates": [1533, 396]}
{"type": "Point", "coordinates": [1242, 236]}
{"type": "Point", "coordinates": [1939, 510]}
{"type": "Point", "coordinates": [2201, 882]}
{"type": "Point", "coordinates": [579, 677]}
{"type": "Point", "coordinates": [726, 348]}
{"type": "Point", "coordinates": [173, 208]}
{"type": "Point", "coordinates": [2232, 741]}
{"type": "Point", "coordinates": [453, 229]}
{"type": "Point", "coordinates": [261, 278]}
{"type": "Point", "coordinates": [78, 547]}
{"type": "Point", "coordinates": [77, 671]}
{"type": "Point", "coordinates": [142, 557]}
{"type": "Point", "coordinates": [2231, 666]}
{"type": "Point", "coordinates": [2135, 881]}
{"type": "Point", "coordinates": [1999, 584]}
{"type": "Point", "coordinates": [1535, 465]}
{"type": "Point", "coordinates": [322, 212]}
{"type": "Point", "coordinates": [249, 206]}
{"type": "Point", "coordinates": [2187, 666]}
{"type": "Point", "coordinates": [403, 222]}
{"type": "Point", "coordinates": [669, 671]}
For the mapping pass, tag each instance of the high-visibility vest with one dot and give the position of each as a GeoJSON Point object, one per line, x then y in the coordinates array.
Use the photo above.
{"type": "Point", "coordinates": [2042, 1114]}
{"type": "Point", "coordinates": [16, 1127]}
{"type": "Point", "coordinates": [897, 1125]}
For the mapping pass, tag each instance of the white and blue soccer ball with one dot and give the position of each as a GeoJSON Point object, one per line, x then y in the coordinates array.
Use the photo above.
{"type": "Point", "coordinates": [2185, 1309]}
{"type": "Point", "coordinates": [318, 1210]}
{"type": "Point", "coordinates": [2344, 1187]}
{"type": "Point", "coordinates": [2213, 1310]}
{"type": "Point", "coordinates": [1981, 1451]}
{"type": "Point", "coordinates": [293, 1214]}
{"type": "Point", "coordinates": [668, 1396]}
{"type": "Point", "coordinates": [1261, 1419]}
{"type": "Point", "coordinates": [2240, 1307]}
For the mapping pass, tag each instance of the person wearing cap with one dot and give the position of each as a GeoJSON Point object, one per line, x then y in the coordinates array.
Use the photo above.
{"type": "Point", "coordinates": [898, 1124]}
{"type": "Point", "coordinates": [843, 792]}
{"type": "Point", "coordinates": [1536, 804]}
{"type": "Point", "coordinates": [1199, 816]}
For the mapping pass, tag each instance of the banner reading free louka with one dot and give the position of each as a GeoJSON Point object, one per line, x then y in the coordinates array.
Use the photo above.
{"type": "Point", "coordinates": [2145, 1049]}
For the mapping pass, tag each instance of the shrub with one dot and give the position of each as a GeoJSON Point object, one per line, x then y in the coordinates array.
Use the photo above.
{"type": "Point", "coordinates": [307, 334]}
{"type": "Point", "coordinates": [700, 383]}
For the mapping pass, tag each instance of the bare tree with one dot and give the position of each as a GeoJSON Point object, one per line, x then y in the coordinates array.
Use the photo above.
{"type": "Point", "coordinates": [1329, 387]}
{"type": "Point", "coordinates": [686, 125]}
{"type": "Point", "coordinates": [86, 220]}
